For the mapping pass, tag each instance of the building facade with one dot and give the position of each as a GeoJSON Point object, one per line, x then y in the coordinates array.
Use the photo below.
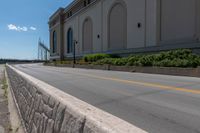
{"type": "Point", "coordinates": [124, 26]}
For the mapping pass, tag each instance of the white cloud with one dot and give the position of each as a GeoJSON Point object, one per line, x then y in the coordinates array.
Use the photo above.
{"type": "Point", "coordinates": [17, 28]}
{"type": "Point", "coordinates": [33, 28]}
{"type": "Point", "coordinates": [12, 27]}
{"type": "Point", "coordinates": [22, 28]}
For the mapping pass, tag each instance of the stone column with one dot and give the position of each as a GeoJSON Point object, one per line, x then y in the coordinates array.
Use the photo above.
{"type": "Point", "coordinates": [61, 37]}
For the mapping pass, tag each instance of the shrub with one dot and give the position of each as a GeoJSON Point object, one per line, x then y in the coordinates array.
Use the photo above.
{"type": "Point", "coordinates": [162, 63]}
{"type": "Point", "coordinates": [147, 60]}
{"type": "Point", "coordinates": [133, 60]}
{"type": "Point", "coordinates": [120, 61]}
{"type": "Point", "coordinates": [108, 61]}
{"type": "Point", "coordinates": [176, 63]}
{"type": "Point", "coordinates": [174, 58]}
{"type": "Point", "coordinates": [95, 57]}
{"type": "Point", "coordinates": [180, 54]}
{"type": "Point", "coordinates": [197, 61]}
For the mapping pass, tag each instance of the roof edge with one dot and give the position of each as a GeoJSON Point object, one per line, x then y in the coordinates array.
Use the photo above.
{"type": "Point", "coordinates": [56, 13]}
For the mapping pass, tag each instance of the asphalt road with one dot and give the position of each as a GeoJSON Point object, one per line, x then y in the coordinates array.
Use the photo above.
{"type": "Point", "coordinates": [155, 103]}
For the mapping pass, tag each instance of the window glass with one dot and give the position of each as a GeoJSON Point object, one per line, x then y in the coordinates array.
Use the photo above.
{"type": "Point", "coordinates": [54, 42]}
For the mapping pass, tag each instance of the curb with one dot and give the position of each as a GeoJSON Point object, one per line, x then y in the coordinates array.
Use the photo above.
{"type": "Point", "coordinates": [175, 71]}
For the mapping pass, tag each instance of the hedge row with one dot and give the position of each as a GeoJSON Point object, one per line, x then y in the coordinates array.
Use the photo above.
{"type": "Point", "coordinates": [174, 58]}
{"type": "Point", "coordinates": [95, 57]}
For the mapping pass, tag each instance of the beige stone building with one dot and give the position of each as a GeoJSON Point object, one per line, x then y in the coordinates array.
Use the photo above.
{"type": "Point", "coordinates": [124, 26]}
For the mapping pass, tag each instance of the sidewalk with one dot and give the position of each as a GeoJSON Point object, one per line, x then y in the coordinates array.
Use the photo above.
{"type": "Point", "coordinates": [4, 113]}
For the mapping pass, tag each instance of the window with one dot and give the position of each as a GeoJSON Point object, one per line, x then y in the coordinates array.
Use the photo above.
{"type": "Point", "coordinates": [54, 42]}
{"type": "Point", "coordinates": [85, 3]}
{"type": "Point", "coordinates": [70, 41]}
{"type": "Point", "coordinates": [69, 14]}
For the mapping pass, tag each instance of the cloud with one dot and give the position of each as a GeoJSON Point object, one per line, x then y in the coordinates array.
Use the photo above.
{"type": "Point", "coordinates": [33, 28]}
{"type": "Point", "coordinates": [22, 28]}
{"type": "Point", "coordinates": [19, 28]}
{"type": "Point", "coordinates": [12, 27]}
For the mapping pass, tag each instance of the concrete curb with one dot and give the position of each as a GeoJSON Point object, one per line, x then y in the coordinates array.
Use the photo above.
{"type": "Point", "coordinates": [15, 116]}
{"type": "Point", "coordinates": [72, 114]}
{"type": "Point", "coordinates": [192, 72]}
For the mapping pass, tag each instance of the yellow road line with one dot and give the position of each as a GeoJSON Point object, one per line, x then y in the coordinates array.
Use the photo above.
{"type": "Point", "coordinates": [141, 83]}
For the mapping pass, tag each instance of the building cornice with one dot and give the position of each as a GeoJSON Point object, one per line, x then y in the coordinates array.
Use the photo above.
{"type": "Point", "coordinates": [56, 14]}
{"type": "Point", "coordinates": [71, 5]}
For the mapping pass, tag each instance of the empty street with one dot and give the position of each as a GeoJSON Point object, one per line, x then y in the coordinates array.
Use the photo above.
{"type": "Point", "coordinates": [154, 103]}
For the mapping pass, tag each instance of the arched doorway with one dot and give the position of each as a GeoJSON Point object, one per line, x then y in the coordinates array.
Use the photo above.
{"type": "Point", "coordinates": [54, 42]}
{"type": "Point", "coordinates": [70, 40]}
{"type": "Point", "coordinates": [87, 35]}
{"type": "Point", "coordinates": [117, 27]}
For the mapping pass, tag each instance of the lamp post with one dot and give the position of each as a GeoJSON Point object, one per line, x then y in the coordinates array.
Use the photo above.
{"type": "Point", "coordinates": [74, 53]}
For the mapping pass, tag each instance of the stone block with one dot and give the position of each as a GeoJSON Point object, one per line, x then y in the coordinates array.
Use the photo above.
{"type": "Point", "coordinates": [41, 106]}
{"type": "Point", "coordinates": [45, 98]}
{"type": "Point", "coordinates": [50, 125]}
{"type": "Point", "coordinates": [51, 102]}
{"type": "Point", "coordinates": [34, 129]}
{"type": "Point", "coordinates": [72, 122]}
{"type": "Point", "coordinates": [59, 118]}
{"type": "Point", "coordinates": [48, 111]}
{"type": "Point", "coordinates": [44, 124]}
{"type": "Point", "coordinates": [55, 108]}
{"type": "Point", "coordinates": [37, 102]}
{"type": "Point", "coordinates": [33, 91]}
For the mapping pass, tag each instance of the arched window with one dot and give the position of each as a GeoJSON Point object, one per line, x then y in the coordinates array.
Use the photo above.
{"type": "Point", "coordinates": [117, 27]}
{"type": "Point", "coordinates": [70, 40]}
{"type": "Point", "coordinates": [87, 35]}
{"type": "Point", "coordinates": [54, 42]}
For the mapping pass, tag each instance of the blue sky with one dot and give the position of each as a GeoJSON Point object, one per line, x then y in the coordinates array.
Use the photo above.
{"type": "Point", "coordinates": [22, 23]}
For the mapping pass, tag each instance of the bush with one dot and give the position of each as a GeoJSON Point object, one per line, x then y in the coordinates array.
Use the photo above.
{"type": "Point", "coordinates": [176, 63]}
{"type": "Point", "coordinates": [107, 61]}
{"type": "Point", "coordinates": [133, 60]}
{"type": "Point", "coordinates": [120, 61]}
{"type": "Point", "coordinates": [95, 57]}
{"type": "Point", "coordinates": [174, 58]}
{"type": "Point", "coordinates": [170, 55]}
{"type": "Point", "coordinates": [147, 60]}
{"type": "Point", "coordinates": [197, 60]}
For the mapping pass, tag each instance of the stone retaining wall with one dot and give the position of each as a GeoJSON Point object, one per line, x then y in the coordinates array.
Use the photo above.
{"type": "Point", "coordinates": [45, 109]}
